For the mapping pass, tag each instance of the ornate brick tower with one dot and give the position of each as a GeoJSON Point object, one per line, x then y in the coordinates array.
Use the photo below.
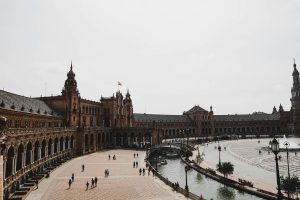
{"type": "Point", "coordinates": [295, 100]}
{"type": "Point", "coordinates": [128, 110]}
{"type": "Point", "coordinates": [72, 99]}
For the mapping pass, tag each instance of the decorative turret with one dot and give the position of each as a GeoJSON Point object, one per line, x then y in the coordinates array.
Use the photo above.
{"type": "Point", "coordinates": [274, 110]}
{"type": "Point", "coordinates": [70, 83]}
{"type": "Point", "coordinates": [280, 108]}
{"type": "Point", "coordinates": [211, 110]}
{"type": "Point", "coordinates": [295, 100]}
{"type": "Point", "coordinates": [72, 98]}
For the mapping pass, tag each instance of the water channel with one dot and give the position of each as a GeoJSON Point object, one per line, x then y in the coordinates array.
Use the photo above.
{"type": "Point", "coordinates": [198, 183]}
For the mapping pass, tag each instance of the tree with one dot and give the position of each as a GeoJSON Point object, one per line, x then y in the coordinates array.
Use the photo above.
{"type": "Point", "coordinates": [226, 168]}
{"type": "Point", "coordinates": [290, 185]}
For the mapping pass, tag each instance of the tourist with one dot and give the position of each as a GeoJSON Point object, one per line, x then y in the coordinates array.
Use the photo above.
{"type": "Point", "coordinates": [133, 164]}
{"type": "Point", "coordinates": [134, 155]}
{"type": "Point", "coordinates": [108, 156]}
{"type": "Point", "coordinates": [92, 183]}
{"type": "Point", "coordinates": [114, 157]}
{"type": "Point", "coordinates": [137, 155]}
{"type": "Point", "coordinates": [87, 185]}
{"type": "Point", "coordinates": [96, 180]}
{"type": "Point", "coordinates": [82, 168]}
{"type": "Point", "coordinates": [152, 172]}
{"type": "Point", "coordinates": [143, 171]}
{"type": "Point", "coordinates": [136, 164]}
{"type": "Point", "coordinates": [70, 182]}
{"type": "Point", "coordinates": [140, 171]}
{"type": "Point", "coordinates": [72, 177]}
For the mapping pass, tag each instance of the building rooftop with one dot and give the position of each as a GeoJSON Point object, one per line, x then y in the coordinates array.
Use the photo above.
{"type": "Point", "coordinates": [20, 103]}
{"type": "Point", "coordinates": [160, 118]}
{"type": "Point", "coordinates": [246, 117]}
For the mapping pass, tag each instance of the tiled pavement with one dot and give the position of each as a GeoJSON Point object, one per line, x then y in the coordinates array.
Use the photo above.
{"type": "Point", "coordinates": [124, 181]}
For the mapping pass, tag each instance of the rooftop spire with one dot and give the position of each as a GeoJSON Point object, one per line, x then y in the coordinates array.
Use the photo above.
{"type": "Point", "coordinates": [294, 62]}
{"type": "Point", "coordinates": [71, 65]}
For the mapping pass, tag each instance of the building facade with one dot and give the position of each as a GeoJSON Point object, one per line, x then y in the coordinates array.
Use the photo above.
{"type": "Point", "coordinates": [42, 131]}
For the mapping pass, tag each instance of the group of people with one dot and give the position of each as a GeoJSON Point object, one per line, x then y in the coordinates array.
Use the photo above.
{"type": "Point", "coordinates": [93, 183]}
{"type": "Point", "coordinates": [71, 180]}
{"type": "Point", "coordinates": [135, 164]}
{"type": "Point", "coordinates": [114, 157]}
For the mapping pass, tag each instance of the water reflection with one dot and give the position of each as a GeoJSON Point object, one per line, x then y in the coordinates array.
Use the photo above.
{"type": "Point", "coordinates": [226, 193]}
{"type": "Point", "coordinates": [198, 183]}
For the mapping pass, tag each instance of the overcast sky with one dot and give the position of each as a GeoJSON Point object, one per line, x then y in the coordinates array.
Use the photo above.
{"type": "Point", "coordinates": [235, 55]}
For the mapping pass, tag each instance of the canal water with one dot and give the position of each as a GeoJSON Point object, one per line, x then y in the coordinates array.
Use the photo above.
{"type": "Point", "coordinates": [198, 183]}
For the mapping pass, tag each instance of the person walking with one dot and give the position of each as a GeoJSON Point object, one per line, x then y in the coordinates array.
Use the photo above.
{"type": "Point", "coordinates": [134, 155]}
{"type": "Point", "coordinates": [137, 155]}
{"type": "Point", "coordinates": [133, 164]}
{"type": "Point", "coordinates": [72, 177]}
{"type": "Point", "coordinates": [87, 185]}
{"type": "Point", "coordinates": [143, 171]}
{"type": "Point", "coordinates": [108, 156]}
{"type": "Point", "coordinates": [96, 180]}
{"type": "Point", "coordinates": [92, 183]}
{"type": "Point", "coordinates": [82, 168]}
{"type": "Point", "coordinates": [136, 164]}
{"type": "Point", "coordinates": [140, 171]}
{"type": "Point", "coordinates": [70, 182]}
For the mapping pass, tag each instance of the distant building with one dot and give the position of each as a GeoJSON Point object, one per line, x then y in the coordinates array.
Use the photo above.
{"type": "Point", "coordinates": [47, 130]}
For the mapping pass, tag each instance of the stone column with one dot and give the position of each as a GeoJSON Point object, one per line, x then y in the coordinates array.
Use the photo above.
{"type": "Point", "coordinates": [24, 159]}
{"type": "Point", "coordinates": [14, 165]}
{"type": "Point", "coordinates": [69, 142]}
{"type": "Point", "coordinates": [115, 141]}
{"type": "Point", "coordinates": [4, 169]}
{"type": "Point", "coordinates": [58, 146]}
{"type": "Point", "coordinates": [32, 156]}
{"type": "Point", "coordinates": [121, 141]}
{"type": "Point", "coordinates": [52, 148]}
{"type": "Point", "coordinates": [129, 138]}
{"type": "Point", "coordinates": [39, 152]}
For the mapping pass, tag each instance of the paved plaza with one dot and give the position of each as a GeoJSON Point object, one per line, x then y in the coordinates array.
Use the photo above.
{"type": "Point", "coordinates": [124, 181]}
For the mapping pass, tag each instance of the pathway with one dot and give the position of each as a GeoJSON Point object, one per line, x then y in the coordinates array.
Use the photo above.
{"type": "Point", "coordinates": [124, 181]}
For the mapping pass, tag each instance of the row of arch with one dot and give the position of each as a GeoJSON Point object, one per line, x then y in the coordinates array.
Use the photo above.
{"type": "Point", "coordinates": [25, 154]}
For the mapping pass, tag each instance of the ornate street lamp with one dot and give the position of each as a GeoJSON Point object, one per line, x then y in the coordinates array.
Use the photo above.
{"type": "Point", "coordinates": [275, 150]}
{"type": "Point", "coordinates": [186, 184]}
{"type": "Point", "coordinates": [219, 148]}
{"type": "Point", "coordinates": [287, 144]}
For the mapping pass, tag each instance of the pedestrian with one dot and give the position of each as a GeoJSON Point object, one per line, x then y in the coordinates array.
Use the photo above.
{"type": "Point", "coordinates": [96, 180]}
{"type": "Point", "coordinates": [108, 156]}
{"type": "Point", "coordinates": [140, 171]}
{"type": "Point", "coordinates": [143, 171]}
{"type": "Point", "coordinates": [149, 171]}
{"type": "Point", "coordinates": [136, 164]}
{"type": "Point", "coordinates": [92, 183]}
{"type": "Point", "coordinates": [72, 177]}
{"type": "Point", "coordinates": [70, 182]}
{"type": "Point", "coordinates": [37, 184]}
{"type": "Point", "coordinates": [134, 155]}
{"type": "Point", "coordinates": [133, 164]}
{"type": "Point", "coordinates": [87, 185]}
{"type": "Point", "coordinates": [152, 172]}
{"type": "Point", "coordinates": [82, 168]}
{"type": "Point", "coordinates": [137, 155]}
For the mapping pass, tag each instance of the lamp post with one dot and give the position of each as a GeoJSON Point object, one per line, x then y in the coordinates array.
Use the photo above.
{"type": "Point", "coordinates": [275, 150]}
{"type": "Point", "coordinates": [186, 184]}
{"type": "Point", "coordinates": [187, 143]}
{"type": "Point", "coordinates": [287, 144]}
{"type": "Point", "coordinates": [219, 148]}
